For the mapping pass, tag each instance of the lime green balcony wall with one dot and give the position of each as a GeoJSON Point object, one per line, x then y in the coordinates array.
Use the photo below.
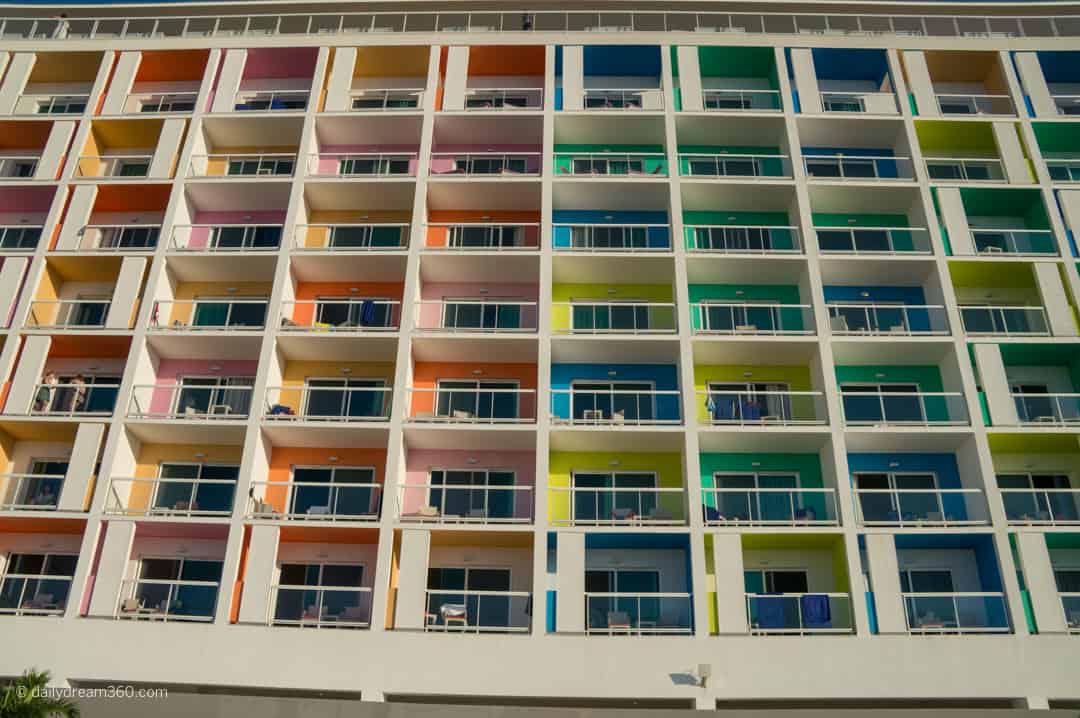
{"type": "Point", "coordinates": [562, 465]}
{"type": "Point", "coordinates": [958, 139]}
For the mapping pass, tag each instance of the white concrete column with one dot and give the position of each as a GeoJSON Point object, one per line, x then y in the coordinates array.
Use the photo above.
{"type": "Point", "coordinates": [122, 80]}
{"type": "Point", "coordinates": [1054, 300]}
{"type": "Point", "coordinates": [1011, 153]}
{"type": "Point", "coordinates": [228, 83]}
{"type": "Point", "coordinates": [412, 578]}
{"type": "Point", "coordinates": [111, 568]}
{"type": "Point", "coordinates": [35, 351]}
{"type": "Point", "coordinates": [457, 77]}
{"type": "Point", "coordinates": [18, 73]}
{"type": "Point", "coordinates": [570, 582]}
{"type": "Point", "coordinates": [81, 467]}
{"type": "Point", "coordinates": [995, 384]}
{"type": "Point", "coordinates": [802, 64]}
{"type": "Point", "coordinates": [573, 77]}
{"type": "Point", "coordinates": [1070, 208]}
{"type": "Point", "coordinates": [1040, 582]}
{"type": "Point", "coordinates": [11, 282]}
{"type": "Point", "coordinates": [78, 213]}
{"type": "Point", "coordinates": [1034, 84]}
{"type": "Point", "coordinates": [690, 78]}
{"type": "Point", "coordinates": [126, 294]}
{"type": "Point", "coordinates": [341, 75]}
{"type": "Point", "coordinates": [885, 580]}
{"type": "Point", "coordinates": [259, 574]}
{"type": "Point", "coordinates": [168, 148]}
{"type": "Point", "coordinates": [922, 87]}
{"type": "Point", "coordinates": [954, 217]}
{"type": "Point", "coordinates": [56, 146]}
{"type": "Point", "coordinates": [730, 589]}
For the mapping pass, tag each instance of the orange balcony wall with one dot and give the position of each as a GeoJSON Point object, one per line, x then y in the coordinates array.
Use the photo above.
{"type": "Point", "coordinates": [506, 60]}
{"type": "Point", "coordinates": [284, 458]}
{"type": "Point", "coordinates": [164, 66]}
{"type": "Point", "coordinates": [304, 313]}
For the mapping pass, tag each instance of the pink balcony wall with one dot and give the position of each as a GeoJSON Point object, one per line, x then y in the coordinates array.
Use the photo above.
{"type": "Point", "coordinates": [419, 463]}
{"type": "Point", "coordinates": [328, 164]}
{"type": "Point", "coordinates": [200, 236]}
{"type": "Point", "coordinates": [170, 370]}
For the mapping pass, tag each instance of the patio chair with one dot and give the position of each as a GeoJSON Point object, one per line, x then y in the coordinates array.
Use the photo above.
{"type": "Point", "coordinates": [618, 621]}
{"type": "Point", "coordinates": [622, 514]}
{"type": "Point", "coordinates": [454, 613]}
{"type": "Point", "coordinates": [131, 605]}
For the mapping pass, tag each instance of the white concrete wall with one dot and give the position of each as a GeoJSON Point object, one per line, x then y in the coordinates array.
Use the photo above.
{"type": "Point", "coordinates": [954, 218]}
{"type": "Point", "coordinates": [412, 579]}
{"type": "Point", "coordinates": [112, 568]}
{"type": "Point", "coordinates": [730, 587]}
{"type": "Point", "coordinates": [18, 72]}
{"type": "Point", "coordinates": [1054, 300]}
{"type": "Point", "coordinates": [126, 294]}
{"type": "Point", "coordinates": [457, 76]}
{"type": "Point", "coordinates": [1040, 582]}
{"type": "Point", "coordinates": [570, 582]}
{"type": "Point", "coordinates": [919, 82]}
{"type": "Point", "coordinates": [802, 64]}
{"type": "Point", "coordinates": [573, 77]}
{"type": "Point", "coordinates": [122, 80]}
{"type": "Point", "coordinates": [1011, 153]}
{"type": "Point", "coordinates": [884, 568]}
{"type": "Point", "coordinates": [341, 76]}
{"type": "Point", "coordinates": [259, 574]}
{"type": "Point", "coordinates": [35, 350]}
{"type": "Point", "coordinates": [81, 466]}
{"type": "Point", "coordinates": [78, 213]}
{"type": "Point", "coordinates": [1034, 84]}
{"type": "Point", "coordinates": [690, 78]}
{"type": "Point", "coordinates": [995, 383]}
{"type": "Point", "coordinates": [228, 83]}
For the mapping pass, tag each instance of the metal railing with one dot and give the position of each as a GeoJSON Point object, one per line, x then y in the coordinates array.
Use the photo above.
{"type": "Point", "coordinates": [477, 611]}
{"type": "Point", "coordinates": [225, 237]}
{"type": "Point", "coordinates": [799, 614]}
{"type": "Point", "coordinates": [769, 408]}
{"type": "Point", "coordinates": [30, 492]}
{"type": "Point", "coordinates": [921, 507]}
{"type": "Point", "coordinates": [640, 614]}
{"type": "Point", "coordinates": [361, 164]}
{"type": "Point", "coordinates": [617, 164]}
{"type": "Point", "coordinates": [243, 166]}
{"type": "Point", "coordinates": [975, 104]}
{"type": "Point", "coordinates": [729, 100]}
{"type": "Point", "coordinates": [1041, 507]}
{"type": "Point", "coordinates": [315, 501]}
{"type": "Point", "coordinates": [965, 169]}
{"type": "Point", "coordinates": [50, 104]}
{"type": "Point", "coordinates": [114, 166]}
{"type": "Point", "coordinates": [877, 168]}
{"type": "Point", "coordinates": [872, 103]}
{"type": "Point", "coordinates": [18, 168]}
{"type": "Point", "coordinates": [483, 236]}
{"type": "Point", "coordinates": [190, 401]}
{"type": "Point", "coordinates": [476, 315]}
{"type": "Point", "coordinates": [873, 240]}
{"type": "Point", "coordinates": [1068, 105]}
{"type": "Point", "coordinates": [74, 398]}
{"type": "Point", "coordinates": [734, 165]}
{"type": "Point", "coordinates": [1047, 408]}
{"type": "Point", "coordinates": [167, 600]}
{"type": "Point", "coordinates": [645, 98]}
{"type": "Point", "coordinates": [643, 238]}
{"type": "Point", "coordinates": [472, 405]}
{"type": "Point", "coordinates": [618, 506]}
{"type": "Point", "coordinates": [600, 317]}
{"type": "Point", "coordinates": [242, 315]}
{"type": "Point", "coordinates": [19, 238]}
{"type": "Point", "coordinates": [769, 507]}
{"type": "Point", "coordinates": [68, 313]}
{"type": "Point", "coordinates": [319, 606]}
{"type": "Point", "coordinates": [895, 319]}
{"type": "Point", "coordinates": [271, 100]}
{"type": "Point", "coordinates": [340, 315]}
{"type": "Point", "coordinates": [118, 238]}
{"type": "Point", "coordinates": [923, 408]}
{"type": "Point", "coordinates": [1024, 242]}
{"type": "Point", "coordinates": [1005, 320]}
{"type": "Point", "coordinates": [376, 100]}
{"type": "Point", "coordinates": [160, 102]}
{"type": "Point", "coordinates": [175, 498]}
{"type": "Point", "coordinates": [742, 239]}
{"type": "Point", "coordinates": [328, 403]}
{"type": "Point", "coordinates": [1070, 604]}
{"type": "Point", "coordinates": [960, 612]}
{"type": "Point", "coordinates": [771, 318]}
{"type": "Point", "coordinates": [473, 503]}
{"type": "Point", "coordinates": [34, 594]}
{"type": "Point", "coordinates": [367, 237]}
{"type": "Point", "coordinates": [504, 98]}
{"type": "Point", "coordinates": [615, 407]}
{"type": "Point", "coordinates": [482, 164]}
{"type": "Point", "coordinates": [1062, 169]}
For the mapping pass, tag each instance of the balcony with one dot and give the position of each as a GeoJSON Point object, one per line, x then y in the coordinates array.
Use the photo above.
{"type": "Point", "coordinates": [644, 98]}
{"type": "Point", "coordinates": [613, 318]}
{"type": "Point", "coordinates": [506, 99]}
{"type": "Point", "coordinates": [483, 236]}
{"type": "Point", "coordinates": [461, 402]}
{"type": "Point", "coordinates": [118, 238]}
{"type": "Point", "coordinates": [225, 238]}
{"type": "Point", "coordinates": [1001, 320]}
{"type": "Point", "coordinates": [910, 507]}
{"type": "Point", "coordinates": [874, 406]}
{"type": "Point", "coordinates": [271, 101]}
{"type": "Point", "coordinates": [868, 319]}
{"type": "Point", "coordinates": [243, 166]}
{"type": "Point", "coordinates": [348, 495]}
{"type": "Point", "coordinates": [638, 614]}
{"type": "Point", "coordinates": [495, 500]}
{"type": "Point", "coordinates": [483, 164]}
{"type": "Point", "coordinates": [171, 497]}
{"type": "Point", "coordinates": [619, 505]}
{"type": "Point", "coordinates": [878, 103]}
{"type": "Point", "coordinates": [476, 315]}
{"type": "Point", "coordinates": [362, 164]}
{"type": "Point", "coordinates": [386, 99]}
{"type": "Point", "coordinates": [15, 168]}
{"type": "Point", "coordinates": [1040, 506]}
{"type": "Point", "coordinates": [19, 238]}
{"type": "Point", "coordinates": [799, 614]}
{"type": "Point", "coordinates": [1061, 409]}
{"type": "Point", "coordinates": [365, 237]}
{"type": "Point", "coordinates": [113, 166]}
{"type": "Point", "coordinates": [319, 606]}
{"type": "Point", "coordinates": [734, 79]}
{"type": "Point", "coordinates": [965, 169]}
{"type": "Point", "coordinates": [742, 239]}
{"type": "Point", "coordinates": [975, 104]}
{"type": "Point", "coordinates": [632, 165]}
{"type": "Point", "coordinates": [602, 406]}
{"type": "Point", "coordinates": [236, 315]}
{"type": "Point", "coordinates": [161, 103]}
{"type": "Point", "coordinates": [732, 505]}
{"type": "Point", "coordinates": [72, 398]}
{"type": "Point", "coordinates": [68, 314]}
{"type": "Point", "coordinates": [30, 492]}
{"type": "Point", "coordinates": [196, 399]}
{"type": "Point", "coordinates": [734, 165]}
{"type": "Point", "coordinates": [737, 405]}
{"type": "Point", "coordinates": [329, 400]}
{"type": "Point", "coordinates": [51, 104]}
{"type": "Point", "coordinates": [341, 315]}
{"type": "Point", "coordinates": [1070, 603]}
{"type": "Point", "coordinates": [36, 584]}
{"type": "Point", "coordinates": [165, 600]}
{"type": "Point", "coordinates": [956, 613]}
{"type": "Point", "coordinates": [1016, 242]}
{"type": "Point", "coordinates": [763, 318]}
{"type": "Point", "coordinates": [860, 167]}
{"type": "Point", "coordinates": [735, 100]}
{"type": "Point", "coordinates": [637, 238]}
{"type": "Point", "coordinates": [462, 611]}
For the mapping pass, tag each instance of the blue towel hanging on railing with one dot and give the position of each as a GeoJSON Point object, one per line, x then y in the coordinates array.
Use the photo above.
{"type": "Point", "coordinates": [770, 612]}
{"type": "Point", "coordinates": [815, 610]}
{"type": "Point", "coordinates": [367, 313]}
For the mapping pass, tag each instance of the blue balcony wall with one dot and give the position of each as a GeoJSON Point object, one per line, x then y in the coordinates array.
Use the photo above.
{"type": "Point", "coordinates": [919, 319]}
{"type": "Point", "coordinates": [943, 466]}
{"type": "Point", "coordinates": [656, 237]}
{"type": "Point", "coordinates": [1060, 66]}
{"type": "Point", "coordinates": [665, 377]}
{"type": "Point", "coordinates": [851, 65]}
{"type": "Point", "coordinates": [621, 60]}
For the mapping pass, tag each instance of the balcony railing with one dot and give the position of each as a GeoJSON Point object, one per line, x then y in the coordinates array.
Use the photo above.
{"type": "Point", "coordinates": [30, 492]}
{"type": "Point", "coordinates": [472, 406]}
{"type": "Point", "coordinates": [114, 166]}
{"type": "Point", "coordinates": [742, 239]}
{"type": "Point", "coordinates": [191, 400]}
{"type": "Point", "coordinates": [477, 315]}
{"type": "Point", "coordinates": [19, 238]}
{"type": "Point", "coordinates": [615, 407]}
{"type": "Point", "coordinates": [965, 169]}
{"type": "Point", "coordinates": [1047, 408]}
{"type": "Point", "coordinates": [616, 506]}
{"type": "Point", "coordinates": [1024, 242]}
{"type": "Point", "coordinates": [921, 507]}
{"type": "Point", "coordinates": [873, 240]}
{"type": "Point", "coordinates": [477, 611]}
{"type": "Point", "coordinates": [740, 100]}
{"type": "Point", "coordinates": [319, 606]}
{"type": "Point", "coordinates": [386, 100]}
{"type": "Point", "coordinates": [68, 314]}
{"type": "Point", "coordinates": [118, 238]}
{"type": "Point", "coordinates": [799, 614]}
{"type": "Point", "coordinates": [769, 507]}
{"type": "Point", "coordinates": [237, 315]}
{"type": "Point", "coordinates": [970, 104]}
{"type": "Point", "coordinates": [872, 103]}
{"type": "Point", "coordinates": [477, 503]}
{"type": "Point", "coordinates": [243, 166]}
{"type": "Point", "coordinates": [736, 165]}
{"type": "Point", "coordinates": [504, 98]}
{"type": "Point", "coordinates": [1063, 169]}
{"type": "Point", "coordinates": [33, 594]}
{"type": "Point", "coordinates": [992, 320]}
{"type": "Point", "coordinates": [876, 168]}
{"type": "Point", "coordinates": [894, 319]}
{"type": "Point", "coordinates": [968, 612]}
{"type": "Point", "coordinates": [18, 168]}
{"type": "Point", "coordinates": [771, 318]}
{"type": "Point", "coordinates": [161, 103]}
{"type": "Point", "coordinates": [878, 408]}
{"type": "Point", "coordinates": [328, 403]}
{"type": "Point", "coordinates": [1068, 105]}
{"type": "Point", "coordinates": [768, 408]}
{"type": "Point", "coordinates": [612, 164]}
{"type": "Point", "coordinates": [361, 164]}
{"type": "Point", "coordinates": [473, 164]}
{"type": "Point", "coordinates": [271, 101]}
{"type": "Point", "coordinates": [167, 600]}
{"type": "Point", "coordinates": [47, 104]}
{"type": "Point", "coordinates": [315, 501]}
{"type": "Point", "coordinates": [638, 238]}
{"type": "Point", "coordinates": [341, 315]}
{"type": "Point", "coordinates": [1070, 604]}
{"type": "Point", "coordinates": [646, 98]}
{"type": "Point", "coordinates": [483, 236]}
{"type": "Point", "coordinates": [74, 399]}
{"type": "Point", "coordinates": [630, 317]}
{"type": "Point", "coordinates": [638, 614]}
{"type": "Point", "coordinates": [1041, 507]}
{"type": "Point", "coordinates": [225, 237]}
{"type": "Point", "coordinates": [175, 498]}
{"type": "Point", "coordinates": [363, 237]}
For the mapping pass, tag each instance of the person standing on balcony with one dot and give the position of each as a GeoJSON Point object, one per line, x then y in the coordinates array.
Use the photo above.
{"type": "Point", "coordinates": [61, 26]}
{"type": "Point", "coordinates": [78, 394]}
{"type": "Point", "coordinates": [45, 393]}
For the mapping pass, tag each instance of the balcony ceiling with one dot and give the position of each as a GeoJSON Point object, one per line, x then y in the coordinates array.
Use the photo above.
{"type": "Point", "coordinates": [756, 351]}
{"type": "Point", "coordinates": [227, 196]}
{"type": "Point", "coordinates": [359, 195]}
{"type": "Point", "coordinates": [744, 131]}
{"type": "Point", "coordinates": [709, 269]}
{"type": "Point", "coordinates": [500, 130]}
{"type": "Point", "coordinates": [608, 129]}
{"type": "Point", "coordinates": [252, 131]}
{"type": "Point", "coordinates": [475, 348]}
{"type": "Point", "coordinates": [397, 130]}
{"type": "Point", "coordinates": [613, 349]}
{"type": "Point", "coordinates": [635, 195]}
{"type": "Point", "coordinates": [795, 441]}
{"type": "Point", "coordinates": [601, 268]}
{"type": "Point", "coordinates": [470, 438]}
{"type": "Point", "coordinates": [603, 440]}
{"type": "Point", "coordinates": [324, 435]}
{"type": "Point", "coordinates": [484, 195]}
{"type": "Point", "coordinates": [886, 134]}
{"type": "Point", "coordinates": [887, 272]}
{"type": "Point", "coordinates": [737, 197]}
{"type": "Point", "coordinates": [352, 267]}
{"type": "Point", "coordinates": [492, 268]}
{"type": "Point", "coordinates": [866, 200]}
{"type": "Point", "coordinates": [301, 346]}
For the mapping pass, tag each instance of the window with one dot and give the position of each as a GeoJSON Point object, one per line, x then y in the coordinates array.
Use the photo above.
{"type": "Point", "coordinates": [445, 590]}
{"type": "Point", "coordinates": [484, 494]}
{"type": "Point", "coordinates": [36, 583]}
{"type": "Point", "coordinates": [86, 311]}
{"type": "Point", "coordinates": [605, 610]}
{"type": "Point", "coordinates": [131, 238]}
{"type": "Point", "coordinates": [834, 167]}
{"type": "Point", "coordinates": [1035, 404]}
{"type": "Point", "coordinates": [615, 497]}
{"type": "Point", "coordinates": [737, 402]}
{"type": "Point", "coordinates": [97, 395]}
{"type": "Point", "coordinates": [733, 239]}
{"type": "Point", "coordinates": [302, 598]}
{"type": "Point", "coordinates": [853, 240]}
{"type": "Point", "coordinates": [752, 496]}
{"type": "Point", "coordinates": [214, 396]}
{"type": "Point", "coordinates": [354, 311]}
{"type": "Point", "coordinates": [352, 166]}
{"type": "Point", "coordinates": [260, 166]}
{"type": "Point", "coordinates": [622, 315]}
{"type": "Point", "coordinates": [344, 398]}
{"type": "Point", "coordinates": [606, 166]}
{"type": "Point", "coordinates": [10, 168]}
{"type": "Point", "coordinates": [181, 587]}
{"type": "Point", "coordinates": [990, 319]}
{"type": "Point", "coordinates": [613, 401]}
{"type": "Point", "coordinates": [874, 403]}
{"type": "Point", "coordinates": [19, 238]}
{"type": "Point", "coordinates": [1039, 497]}
{"type": "Point", "coordinates": [467, 237]}
{"type": "Point", "coordinates": [217, 313]}
{"type": "Point", "coordinates": [730, 316]}
{"type": "Point", "coordinates": [881, 316]}
{"type": "Point", "coordinates": [609, 237]}
{"type": "Point", "coordinates": [889, 498]}
{"type": "Point", "coordinates": [481, 314]}
{"type": "Point", "coordinates": [1067, 579]}
{"type": "Point", "coordinates": [178, 491]}
{"type": "Point", "coordinates": [776, 581]}
{"type": "Point", "coordinates": [63, 106]}
{"type": "Point", "coordinates": [41, 489]}
{"type": "Point", "coordinates": [926, 581]}
{"type": "Point", "coordinates": [131, 168]}
{"type": "Point", "coordinates": [490, 165]}
{"type": "Point", "coordinates": [334, 491]}
{"type": "Point", "coordinates": [244, 237]}
{"type": "Point", "coordinates": [727, 101]}
{"type": "Point", "coordinates": [374, 236]}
